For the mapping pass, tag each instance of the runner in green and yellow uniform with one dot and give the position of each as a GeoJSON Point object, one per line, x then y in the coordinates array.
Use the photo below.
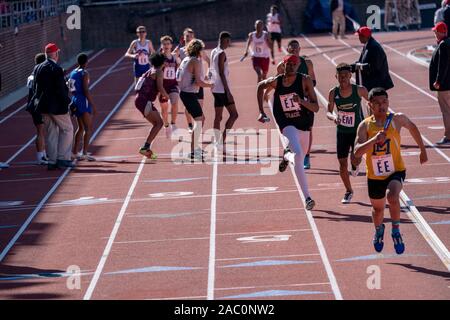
{"type": "Point", "coordinates": [347, 99]}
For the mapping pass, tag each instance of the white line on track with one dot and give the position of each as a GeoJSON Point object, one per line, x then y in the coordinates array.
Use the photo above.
{"type": "Point", "coordinates": [212, 234]}
{"type": "Point", "coordinates": [112, 237]}
{"type": "Point", "coordinates": [276, 286]}
{"type": "Point", "coordinates": [24, 105]}
{"type": "Point", "coordinates": [58, 182]}
{"type": "Point", "coordinates": [270, 257]}
{"type": "Point", "coordinates": [414, 214]}
{"type": "Point", "coordinates": [315, 230]}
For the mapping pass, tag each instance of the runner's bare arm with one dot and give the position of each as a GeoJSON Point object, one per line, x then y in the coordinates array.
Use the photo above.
{"type": "Point", "coordinates": [270, 44]}
{"type": "Point", "coordinates": [403, 121]}
{"type": "Point", "coordinates": [205, 57]}
{"type": "Point", "coordinates": [263, 85]}
{"type": "Point", "coordinates": [362, 142]}
{"type": "Point", "coordinates": [151, 49]}
{"type": "Point", "coordinates": [197, 71]}
{"type": "Point", "coordinates": [160, 82]}
{"type": "Point", "coordinates": [363, 93]}
{"type": "Point", "coordinates": [311, 73]}
{"type": "Point", "coordinates": [129, 53]}
{"type": "Point", "coordinates": [311, 103]}
{"type": "Point", "coordinates": [222, 58]}
{"type": "Point", "coordinates": [330, 114]}
{"type": "Point", "coordinates": [87, 93]}
{"type": "Point", "coordinates": [249, 41]}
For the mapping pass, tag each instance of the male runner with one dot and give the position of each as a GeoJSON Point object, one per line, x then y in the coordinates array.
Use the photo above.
{"type": "Point", "coordinates": [274, 26]}
{"type": "Point", "coordinates": [347, 98]}
{"type": "Point", "coordinates": [170, 85]}
{"type": "Point", "coordinates": [378, 137]}
{"type": "Point", "coordinates": [221, 91]}
{"type": "Point", "coordinates": [262, 49]}
{"type": "Point", "coordinates": [293, 108]}
{"type": "Point", "coordinates": [139, 50]}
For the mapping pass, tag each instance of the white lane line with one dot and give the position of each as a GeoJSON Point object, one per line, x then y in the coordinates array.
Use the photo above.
{"type": "Point", "coordinates": [24, 105]}
{"type": "Point", "coordinates": [212, 233]}
{"type": "Point", "coordinates": [57, 183]}
{"type": "Point", "coordinates": [261, 232]}
{"type": "Point", "coordinates": [315, 230]}
{"type": "Point", "coordinates": [270, 257]}
{"type": "Point", "coordinates": [107, 72]}
{"type": "Point", "coordinates": [277, 286]}
{"type": "Point", "coordinates": [112, 237]}
{"type": "Point", "coordinates": [179, 298]}
{"type": "Point", "coordinates": [414, 214]}
{"type": "Point", "coordinates": [409, 56]}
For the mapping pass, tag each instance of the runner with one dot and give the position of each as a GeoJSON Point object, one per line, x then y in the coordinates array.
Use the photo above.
{"type": "Point", "coordinates": [82, 107]}
{"type": "Point", "coordinates": [378, 137]}
{"type": "Point", "coordinates": [262, 49]}
{"type": "Point", "coordinates": [347, 98]}
{"type": "Point", "coordinates": [147, 87]}
{"type": "Point", "coordinates": [41, 155]}
{"type": "Point", "coordinates": [181, 52]}
{"type": "Point", "coordinates": [139, 50]}
{"type": "Point", "coordinates": [274, 26]}
{"type": "Point", "coordinates": [221, 91]}
{"type": "Point", "coordinates": [306, 67]}
{"type": "Point", "coordinates": [293, 108]}
{"type": "Point", "coordinates": [190, 79]}
{"type": "Point", "coordinates": [170, 85]}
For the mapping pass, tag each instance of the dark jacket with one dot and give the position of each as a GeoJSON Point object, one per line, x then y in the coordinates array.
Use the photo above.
{"type": "Point", "coordinates": [446, 15]}
{"type": "Point", "coordinates": [376, 73]}
{"type": "Point", "coordinates": [439, 66]}
{"type": "Point", "coordinates": [51, 94]}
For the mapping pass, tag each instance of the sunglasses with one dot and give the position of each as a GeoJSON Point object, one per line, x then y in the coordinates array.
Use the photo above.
{"type": "Point", "coordinates": [142, 32]}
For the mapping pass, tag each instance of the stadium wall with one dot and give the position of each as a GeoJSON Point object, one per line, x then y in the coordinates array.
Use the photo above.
{"type": "Point", "coordinates": [17, 50]}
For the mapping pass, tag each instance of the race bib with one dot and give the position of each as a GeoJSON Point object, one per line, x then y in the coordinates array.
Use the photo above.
{"type": "Point", "coordinates": [288, 104]}
{"type": "Point", "coordinates": [143, 58]}
{"type": "Point", "coordinates": [71, 85]}
{"type": "Point", "coordinates": [259, 48]}
{"type": "Point", "coordinates": [383, 165]}
{"type": "Point", "coordinates": [346, 119]}
{"type": "Point", "coordinates": [170, 73]}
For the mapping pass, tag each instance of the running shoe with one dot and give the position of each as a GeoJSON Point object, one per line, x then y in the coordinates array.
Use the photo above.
{"type": "Point", "coordinates": [284, 163]}
{"type": "Point", "coordinates": [355, 171]}
{"type": "Point", "coordinates": [43, 161]}
{"type": "Point", "coordinates": [307, 163]}
{"type": "Point", "coordinates": [309, 203]}
{"type": "Point", "coordinates": [190, 128]}
{"type": "Point", "coordinates": [399, 245]}
{"type": "Point", "coordinates": [148, 153]}
{"type": "Point", "coordinates": [444, 140]}
{"type": "Point", "coordinates": [347, 197]}
{"type": "Point", "coordinates": [168, 131]}
{"type": "Point", "coordinates": [174, 129]}
{"type": "Point", "coordinates": [87, 157]}
{"type": "Point", "coordinates": [378, 239]}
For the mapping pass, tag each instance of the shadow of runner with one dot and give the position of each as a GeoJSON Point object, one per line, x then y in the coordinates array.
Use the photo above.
{"type": "Point", "coordinates": [443, 274]}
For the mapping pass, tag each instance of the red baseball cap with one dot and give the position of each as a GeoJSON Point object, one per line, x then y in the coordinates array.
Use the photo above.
{"type": "Point", "coordinates": [291, 58]}
{"type": "Point", "coordinates": [364, 31]}
{"type": "Point", "coordinates": [51, 47]}
{"type": "Point", "coordinates": [440, 27]}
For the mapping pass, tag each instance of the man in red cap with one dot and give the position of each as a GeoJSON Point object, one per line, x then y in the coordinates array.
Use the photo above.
{"type": "Point", "coordinates": [51, 99]}
{"type": "Point", "coordinates": [440, 76]}
{"type": "Point", "coordinates": [372, 63]}
{"type": "Point", "coordinates": [294, 105]}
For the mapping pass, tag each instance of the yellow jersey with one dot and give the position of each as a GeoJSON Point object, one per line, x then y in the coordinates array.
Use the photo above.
{"type": "Point", "coordinates": [386, 159]}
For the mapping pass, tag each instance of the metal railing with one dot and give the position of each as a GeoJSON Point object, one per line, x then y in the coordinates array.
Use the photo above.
{"type": "Point", "coordinates": [16, 13]}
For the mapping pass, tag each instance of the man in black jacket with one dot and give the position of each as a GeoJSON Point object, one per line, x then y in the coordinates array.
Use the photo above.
{"type": "Point", "coordinates": [440, 76]}
{"type": "Point", "coordinates": [51, 99]}
{"type": "Point", "coordinates": [446, 13]}
{"type": "Point", "coordinates": [372, 63]}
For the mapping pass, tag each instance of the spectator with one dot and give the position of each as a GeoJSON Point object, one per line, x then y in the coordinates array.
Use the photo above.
{"type": "Point", "coordinates": [372, 63]}
{"type": "Point", "coordinates": [446, 13]}
{"type": "Point", "coordinates": [41, 156]}
{"type": "Point", "coordinates": [440, 76]}
{"type": "Point", "coordinates": [439, 14]}
{"type": "Point", "coordinates": [338, 17]}
{"type": "Point", "coordinates": [51, 98]}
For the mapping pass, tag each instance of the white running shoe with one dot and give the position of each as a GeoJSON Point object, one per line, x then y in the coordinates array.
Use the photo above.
{"type": "Point", "coordinates": [347, 197]}
{"type": "Point", "coordinates": [88, 157]}
{"type": "Point", "coordinates": [174, 129]}
{"type": "Point", "coordinates": [168, 131]}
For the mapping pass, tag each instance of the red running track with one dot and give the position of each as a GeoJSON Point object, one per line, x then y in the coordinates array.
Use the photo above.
{"type": "Point", "coordinates": [142, 229]}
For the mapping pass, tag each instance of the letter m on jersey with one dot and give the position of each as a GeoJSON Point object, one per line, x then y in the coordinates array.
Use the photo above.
{"type": "Point", "coordinates": [384, 148]}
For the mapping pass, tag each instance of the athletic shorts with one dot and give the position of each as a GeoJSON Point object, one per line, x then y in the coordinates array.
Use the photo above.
{"type": "Point", "coordinates": [344, 143]}
{"type": "Point", "coordinates": [275, 36]}
{"type": "Point", "coordinates": [261, 63]}
{"type": "Point", "coordinates": [37, 117]}
{"type": "Point", "coordinates": [377, 188]}
{"type": "Point", "coordinates": [144, 106]}
{"type": "Point", "coordinates": [221, 100]}
{"type": "Point", "coordinates": [201, 94]}
{"type": "Point", "coordinates": [190, 101]}
{"type": "Point", "coordinates": [173, 97]}
{"type": "Point", "coordinates": [81, 106]}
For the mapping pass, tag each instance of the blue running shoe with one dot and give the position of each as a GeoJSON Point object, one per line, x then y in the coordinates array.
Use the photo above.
{"type": "Point", "coordinates": [307, 163]}
{"type": "Point", "coordinates": [378, 239]}
{"type": "Point", "coordinates": [399, 245]}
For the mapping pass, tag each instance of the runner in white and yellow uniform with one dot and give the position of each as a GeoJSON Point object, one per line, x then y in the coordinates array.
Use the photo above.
{"type": "Point", "coordinates": [378, 138]}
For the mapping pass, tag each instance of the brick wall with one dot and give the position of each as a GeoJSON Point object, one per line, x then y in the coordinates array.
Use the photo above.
{"type": "Point", "coordinates": [17, 51]}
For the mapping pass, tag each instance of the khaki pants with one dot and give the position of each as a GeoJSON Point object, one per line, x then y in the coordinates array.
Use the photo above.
{"type": "Point", "coordinates": [444, 103]}
{"type": "Point", "coordinates": [58, 136]}
{"type": "Point", "coordinates": [338, 22]}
